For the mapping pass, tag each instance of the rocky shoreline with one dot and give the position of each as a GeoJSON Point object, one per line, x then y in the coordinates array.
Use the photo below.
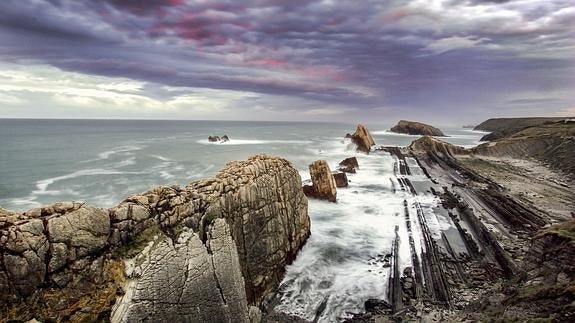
{"type": "Point", "coordinates": [217, 249]}
{"type": "Point", "coordinates": [504, 261]}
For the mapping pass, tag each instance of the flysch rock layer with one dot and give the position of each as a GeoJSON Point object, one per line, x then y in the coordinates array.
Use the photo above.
{"type": "Point", "coordinates": [218, 244]}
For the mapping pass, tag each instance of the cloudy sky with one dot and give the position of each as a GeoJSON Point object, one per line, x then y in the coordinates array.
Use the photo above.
{"type": "Point", "coordinates": [430, 60]}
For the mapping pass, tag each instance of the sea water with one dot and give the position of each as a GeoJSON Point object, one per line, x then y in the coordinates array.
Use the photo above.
{"type": "Point", "coordinates": [103, 161]}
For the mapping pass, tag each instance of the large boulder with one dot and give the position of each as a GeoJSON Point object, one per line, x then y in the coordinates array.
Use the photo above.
{"type": "Point", "coordinates": [323, 184]}
{"type": "Point", "coordinates": [349, 165]}
{"type": "Point", "coordinates": [340, 179]}
{"type": "Point", "coordinates": [416, 128]}
{"type": "Point", "coordinates": [362, 139]}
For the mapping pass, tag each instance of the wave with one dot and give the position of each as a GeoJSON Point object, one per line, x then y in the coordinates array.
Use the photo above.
{"type": "Point", "coordinates": [42, 185]}
{"type": "Point", "coordinates": [162, 158]}
{"type": "Point", "coordinates": [127, 162]}
{"type": "Point", "coordinates": [128, 149]}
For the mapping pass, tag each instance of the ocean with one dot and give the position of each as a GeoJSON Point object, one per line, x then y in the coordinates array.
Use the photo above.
{"type": "Point", "coordinates": [103, 161]}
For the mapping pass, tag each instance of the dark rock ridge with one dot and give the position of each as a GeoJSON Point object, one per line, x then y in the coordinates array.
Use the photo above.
{"type": "Point", "coordinates": [416, 128]}
{"type": "Point", "coordinates": [219, 139]}
{"type": "Point", "coordinates": [204, 252]}
{"type": "Point", "coordinates": [362, 139]}
{"type": "Point", "coordinates": [323, 183]}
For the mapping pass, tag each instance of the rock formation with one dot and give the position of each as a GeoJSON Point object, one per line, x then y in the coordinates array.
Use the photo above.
{"type": "Point", "coordinates": [323, 184]}
{"type": "Point", "coordinates": [362, 139]}
{"type": "Point", "coordinates": [219, 244]}
{"type": "Point", "coordinates": [349, 165]}
{"type": "Point", "coordinates": [219, 139]}
{"type": "Point", "coordinates": [340, 179]}
{"type": "Point", "coordinates": [416, 128]}
{"type": "Point", "coordinates": [432, 145]}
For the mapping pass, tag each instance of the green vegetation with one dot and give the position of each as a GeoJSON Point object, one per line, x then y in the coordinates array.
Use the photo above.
{"type": "Point", "coordinates": [564, 230]}
{"type": "Point", "coordinates": [138, 243]}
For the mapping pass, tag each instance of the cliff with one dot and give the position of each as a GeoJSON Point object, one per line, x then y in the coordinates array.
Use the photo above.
{"type": "Point", "coordinates": [202, 252]}
{"type": "Point", "coordinates": [416, 128]}
{"type": "Point", "coordinates": [550, 143]}
{"type": "Point", "coordinates": [503, 127]}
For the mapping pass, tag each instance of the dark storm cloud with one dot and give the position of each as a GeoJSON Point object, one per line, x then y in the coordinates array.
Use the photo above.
{"type": "Point", "coordinates": [435, 55]}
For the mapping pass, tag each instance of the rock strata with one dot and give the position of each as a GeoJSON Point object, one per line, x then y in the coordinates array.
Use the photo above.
{"type": "Point", "coordinates": [220, 244]}
{"type": "Point", "coordinates": [362, 139]}
{"type": "Point", "coordinates": [323, 184]}
{"type": "Point", "coordinates": [416, 128]}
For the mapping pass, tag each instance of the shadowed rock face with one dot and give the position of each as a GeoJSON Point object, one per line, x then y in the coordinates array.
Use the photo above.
{"type": "Point", "coordinates": [416, 128]}
{"type": "Point", "coordinates": [362, 139]}
{"type": "Point", "coordinates": [217, 244]}
{"type": "Point", "coordinates": [340, 179]}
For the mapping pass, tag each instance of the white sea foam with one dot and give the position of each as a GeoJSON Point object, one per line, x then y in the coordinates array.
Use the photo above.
{"type": "Point", "coordinates": [335, 262]}
{"type": "Point", "coordinates": [126, 162]}
{"type": "Point", "coordinates": [162, 158]}
{"type": "Point", "coordinates": [42, 185]}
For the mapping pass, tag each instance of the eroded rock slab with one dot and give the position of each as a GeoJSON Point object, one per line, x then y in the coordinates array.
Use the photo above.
{"type": "Point", "coordinates": [323, 184]}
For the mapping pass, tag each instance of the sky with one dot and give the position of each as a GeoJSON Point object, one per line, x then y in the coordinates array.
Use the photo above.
{"type": "Point", "coordinates": [443, 61]}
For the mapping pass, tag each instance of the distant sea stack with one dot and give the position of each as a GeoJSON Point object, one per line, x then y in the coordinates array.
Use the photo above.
{"type": "Point", "coordinates": [362, 139]}
{"type": "Point", "coordinates": [416, 128]}
{"type": "Point", "coordinates": [207, 252]}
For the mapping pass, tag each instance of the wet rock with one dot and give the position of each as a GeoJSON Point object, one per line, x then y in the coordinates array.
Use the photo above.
{"type": "Point", "coordinates": [362, 139]}
{"type": "Point", "coordinates": [324, 186]}
{"type": "Point", "coordinates": [340, 179]}
{"type": "Point", "coordinates": [349, 165]}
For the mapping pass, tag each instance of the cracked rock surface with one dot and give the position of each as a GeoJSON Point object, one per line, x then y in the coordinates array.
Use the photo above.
{"type": "Point", "coordinates": [207, 251]}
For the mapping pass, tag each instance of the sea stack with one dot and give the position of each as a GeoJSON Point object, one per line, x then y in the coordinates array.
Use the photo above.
{"type": "Point", "coordinates": [416, 128]}
{"type": "Point", "coordinates": [362, 139]}
{"type": "Point", "coordinates": [324, 185]}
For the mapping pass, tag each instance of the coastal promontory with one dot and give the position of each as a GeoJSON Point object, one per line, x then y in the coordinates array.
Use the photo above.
{"type": "Point", "coordinates": [207, 252]}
